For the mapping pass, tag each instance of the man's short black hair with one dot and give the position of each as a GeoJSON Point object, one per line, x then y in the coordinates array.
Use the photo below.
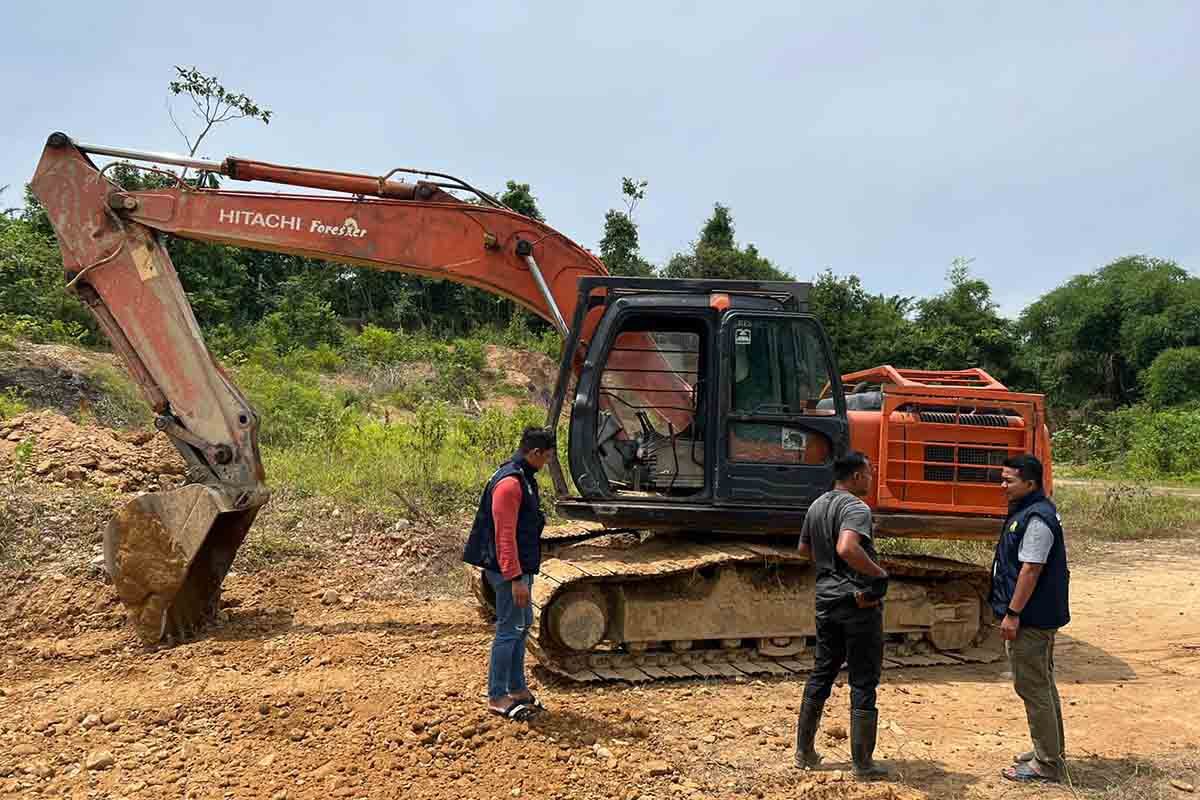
{"type": "Point", "coordinates": [537, 439]}
{"type": "Point", "coordinates": [848, 464]}
{"type": "Point", "coordinates": [1028, 467]}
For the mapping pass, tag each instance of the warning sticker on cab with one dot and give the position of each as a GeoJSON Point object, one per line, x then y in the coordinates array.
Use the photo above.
{"type": "Point", "coordinates": [792, 439]}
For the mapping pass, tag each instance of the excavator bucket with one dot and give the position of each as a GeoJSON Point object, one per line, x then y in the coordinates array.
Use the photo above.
{"type": "Point", "coordinates": [168, 553]}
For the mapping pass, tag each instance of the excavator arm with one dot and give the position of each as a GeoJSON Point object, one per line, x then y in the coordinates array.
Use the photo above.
{"type": "Point", "coordinates": [168, 552]}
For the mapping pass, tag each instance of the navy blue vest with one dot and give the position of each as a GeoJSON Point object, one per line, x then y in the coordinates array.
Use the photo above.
{"type": "Point", "coordinates": [1049, 606]}
{"type": "Point", "coordinates": [480, 549]}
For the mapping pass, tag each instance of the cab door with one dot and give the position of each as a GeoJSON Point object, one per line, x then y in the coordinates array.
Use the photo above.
{"type": "Point", "coordinates": [778, 437]}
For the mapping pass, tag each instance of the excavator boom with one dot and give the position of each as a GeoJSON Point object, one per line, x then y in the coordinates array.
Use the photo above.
{"type": "Point", "coordinates": [168, 552]}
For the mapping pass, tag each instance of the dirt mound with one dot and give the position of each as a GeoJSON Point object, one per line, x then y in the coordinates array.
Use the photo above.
{"type": "Point", "coordinates": [61, 450]}
{"type": "Point", "coordinates": [57, 376]}
{"type": "Point", "coordinates": [534, 372]}
{"type": "Point", "coordinates": [56, 607]}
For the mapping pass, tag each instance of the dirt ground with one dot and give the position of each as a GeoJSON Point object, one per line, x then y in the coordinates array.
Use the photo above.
{"type": "Point", "coordinates": [365, 697]}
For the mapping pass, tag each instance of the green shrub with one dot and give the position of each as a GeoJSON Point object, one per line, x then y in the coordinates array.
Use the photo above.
{"type": "Point", "coordinates": [458, 371]}
{"type": "Point", "coordinates": [431, 427]}
{"type": "Point", "coordinates": [301, 320]}
{"type": "Point", "coordinates": [521, 335]}
{"type": "Point", "coordinates": [432, 463]}
{"type": "Point", "coordinates": [1125, 511]}
{"type": "Point", "coordinates": [34, 301]}
{"type": "Point", "coordinates": [1078, 444]}
{"type": "Point", "coordinates": [11, 403]}
{"type": "Point", "coordinates": [1157, 443]}
{"type": "Point", "coordinates": [1173, 377]}
{"type": "Point", "coordinates": [322, 358]}
{"type": "Point", "coordinates": [456, 365]}
{"type": "Point", "coordinates": [24, 326]}
{"type": "Point", "coordinates": [1136, 442]}
{"type": "Point", "coordinates": [375, 345]}
{"type": "Point", "coordinates": [229, 343]}
{"type": "Point", "coordinates": [293, 408]}
{"type": "Point", "coordinates": [494, 435]}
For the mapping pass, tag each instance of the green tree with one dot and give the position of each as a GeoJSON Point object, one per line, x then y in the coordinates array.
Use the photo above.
{"type": "Point", "coordinates": [961, 327]}
{"type": "Point", "coordinates": [519, 197]}
{"type": "Point", "coordinates": [211, 104]}
{"type": "Point", "coordinates": [619, 245]}
{"type": "Point", "coordinates": [864, 329]}
{"type": "Point", "coordinates": [1173, 377]}
{"type": "Point", "coordinates": [718, 230]}
{"type": "Point", "coordinates": [302, 318]}
{"type": "Point", "coordinates": [716, 255]}
{"type": "Point", "coordinates": [34, 302]}
{"type": "Point", "coordinates": [1094, 335]}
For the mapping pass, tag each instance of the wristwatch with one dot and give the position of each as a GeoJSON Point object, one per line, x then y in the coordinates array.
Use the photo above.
{"type": "Point", "coordinates": [1012, 612]}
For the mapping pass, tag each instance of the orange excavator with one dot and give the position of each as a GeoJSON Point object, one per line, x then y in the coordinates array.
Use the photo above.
{"type": "Point", "coordinates": [705, 418]}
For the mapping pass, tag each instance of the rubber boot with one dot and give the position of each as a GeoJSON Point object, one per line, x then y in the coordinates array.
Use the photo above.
{"type": "Point", "coordinates": [863, 727]}
{"type": "Point", "coordinates": [806, 732]}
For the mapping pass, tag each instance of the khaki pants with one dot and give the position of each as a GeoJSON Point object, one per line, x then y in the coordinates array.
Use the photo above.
{"type": "Point", "coordinates": [1032, 657]}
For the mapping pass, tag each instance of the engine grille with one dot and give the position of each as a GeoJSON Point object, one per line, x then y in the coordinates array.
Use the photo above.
{"type": "Point", "coordinates": [975, 420]}
{"type": "Point", "coordinates": [973, 465]}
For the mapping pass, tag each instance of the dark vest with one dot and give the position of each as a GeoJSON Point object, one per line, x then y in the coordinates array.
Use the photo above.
{"type": "Point", "coordinates": [1048, 607]}
{"type": "Point", "coordinates": [480, 549]}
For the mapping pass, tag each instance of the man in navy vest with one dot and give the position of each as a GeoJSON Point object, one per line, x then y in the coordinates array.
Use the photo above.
{"type": "Point", "coordinates": [1029, 592]}
{"type": "Point", "coordinates": [506, 542]}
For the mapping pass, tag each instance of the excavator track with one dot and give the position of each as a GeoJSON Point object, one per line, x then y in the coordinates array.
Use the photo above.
{"type": "Point", "coordinates": [669, 608]}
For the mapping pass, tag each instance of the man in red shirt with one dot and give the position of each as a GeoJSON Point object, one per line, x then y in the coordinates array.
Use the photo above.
{"type": "Point", "coordinates": [505, 542]}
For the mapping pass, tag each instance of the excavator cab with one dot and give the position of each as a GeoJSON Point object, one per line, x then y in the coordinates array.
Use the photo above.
{"type": "Point", "coordinates": [698, 403]}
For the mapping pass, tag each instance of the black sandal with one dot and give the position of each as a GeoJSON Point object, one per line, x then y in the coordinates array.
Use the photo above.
{"type": "Point", "coordinates": [517, 712]}
{"type": "Point", "coordinates": [533, 702]}
{"type": "Point", "coordinates": [1023, 772]}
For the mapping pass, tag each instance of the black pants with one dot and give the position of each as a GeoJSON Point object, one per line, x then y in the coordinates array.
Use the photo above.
{"type": "Point", "coordinates": [847, 634]}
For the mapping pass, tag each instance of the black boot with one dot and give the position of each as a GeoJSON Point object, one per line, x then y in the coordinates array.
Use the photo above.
{"type": "Point", "coordinates": [806, 733]}
{"type": "Point", "coordinates": [863, 726]}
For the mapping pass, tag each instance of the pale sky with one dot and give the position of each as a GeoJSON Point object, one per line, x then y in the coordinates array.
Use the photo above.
{"type": "Point", "coordinates": [881, 139]}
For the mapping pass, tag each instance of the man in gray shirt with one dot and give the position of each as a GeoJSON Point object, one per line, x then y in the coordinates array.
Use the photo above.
{"type": "Point", "coordinates": [838, 535]}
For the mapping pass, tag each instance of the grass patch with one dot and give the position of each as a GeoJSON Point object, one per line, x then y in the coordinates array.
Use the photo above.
{"type": "Point", "coordinates": [268, 547]}
{"type": "Point", "coordinates": [1106, 473]}
{"type": "Point", "coordinates": [1133, 778]}
{"type": "Point", "coordinates": [969, 552]}
{"type": "Point", "coordinates": [432, 465]}
{"type": "Point", "coordinates": [12, 403]}
{"type": "Point", "coordinates": [511, 390]}
{"type": "Point", "coordinates": [121, 404]}
{"type": "Point", "coordinates": [1126, 511]}
{"type": "Point", "coordinates": [1090, 516]}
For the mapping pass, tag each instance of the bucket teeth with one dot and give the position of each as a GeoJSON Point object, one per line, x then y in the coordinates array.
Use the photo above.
{"type": "Point", "coordinates": [167, 554]}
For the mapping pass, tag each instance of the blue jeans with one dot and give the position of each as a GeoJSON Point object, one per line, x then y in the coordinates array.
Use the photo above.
{"type": "Point", "coordinates": [506, 673]}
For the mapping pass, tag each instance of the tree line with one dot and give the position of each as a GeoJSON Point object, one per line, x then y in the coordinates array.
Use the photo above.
{"type": "Point", "coordinates": [1126, 332]}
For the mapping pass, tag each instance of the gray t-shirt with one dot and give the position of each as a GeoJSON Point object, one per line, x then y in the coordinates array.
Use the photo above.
{"type": "Point", "coordinates": [829, 515]}
{"type": "Point", "coordinates": [1036, 543]}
